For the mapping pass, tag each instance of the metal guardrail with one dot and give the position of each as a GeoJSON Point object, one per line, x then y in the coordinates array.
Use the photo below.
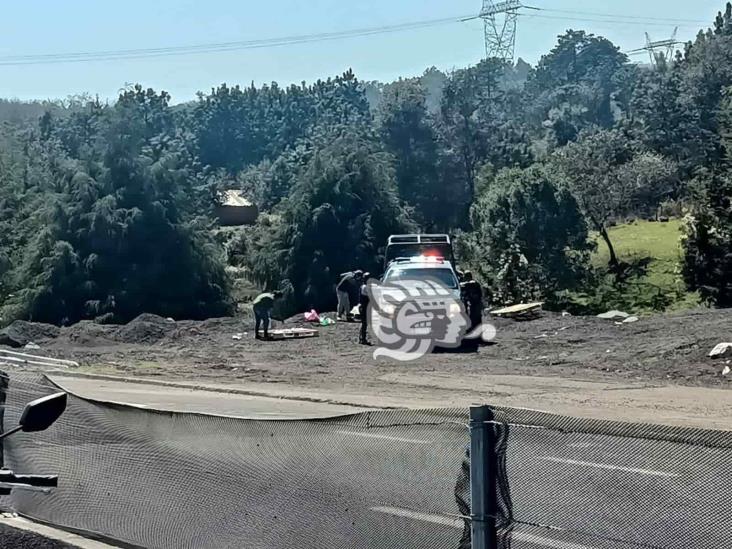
{"type": "Point", "coordinates": [14, 358]}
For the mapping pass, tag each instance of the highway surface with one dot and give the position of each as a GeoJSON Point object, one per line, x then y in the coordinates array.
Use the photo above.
{"type": "Point", "coordinates": [190, 400]}
{"type": "Point", "coordinates": [383, 482]}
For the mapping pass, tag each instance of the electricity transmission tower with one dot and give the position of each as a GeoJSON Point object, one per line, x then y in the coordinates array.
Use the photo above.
{"type": "Point", "coordinates": [660, 49]}
{"type": "Point", "coordinates": [500, 19]}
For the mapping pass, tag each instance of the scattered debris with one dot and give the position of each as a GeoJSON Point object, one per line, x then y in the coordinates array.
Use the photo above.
{"type": "Point", "coordinates": [523, 311]}
{"type": "Point", "coordinates": [726, 371]}
{"type": "Point", "coordinates": [312, 316]}
{"type": "Point", "coordinates": [237, 337]}
{"type": "Point", "coordinates": [613, 315]}
{"type": "Point", "coordinates": [325, 321]}
{"type": "Point", "coordinates": [720, 350]}
{"type": "Point", "coordinates": [566, 314]}
{"type": "Point", "coordinates": [631, 320]}
{"type": "Point", "coordinates": [293, 333]}
{"type": "Point", "coordinates": [32, 346]}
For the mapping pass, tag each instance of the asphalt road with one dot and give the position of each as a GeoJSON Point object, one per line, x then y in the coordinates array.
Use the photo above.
{"type": "Point", "coordinates": [167, 481]}
{"type": "Point", "coordinates": [190, 400]}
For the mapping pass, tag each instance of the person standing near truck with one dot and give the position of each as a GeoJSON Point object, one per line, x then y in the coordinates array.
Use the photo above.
{"type": "Point", "coordinates": [363, 310]}
{"type": "Point", "coordinates": [262, 306]}
{"type": "Point", "coordinates": [472, 295]}
{"type": "Point", "coordinates": [349, 285]}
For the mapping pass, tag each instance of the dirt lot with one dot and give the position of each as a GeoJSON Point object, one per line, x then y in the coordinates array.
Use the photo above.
{"type": "Point", "coordinates": [655, 369]}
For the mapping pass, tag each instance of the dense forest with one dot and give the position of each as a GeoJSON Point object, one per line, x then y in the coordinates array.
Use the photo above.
{"type": "Point", "coordinates": [106, 208]}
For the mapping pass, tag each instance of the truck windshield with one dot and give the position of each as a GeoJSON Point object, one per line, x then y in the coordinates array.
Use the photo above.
{"type": "Point", "coordinates": [444, 276]}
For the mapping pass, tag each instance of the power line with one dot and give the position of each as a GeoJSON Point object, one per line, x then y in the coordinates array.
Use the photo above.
{"type": "Point", "coordinates": [220, 47]}
{"type": "Point", "coordinates": [113, 55]}
{"type": "Point", "coordinates": [637, 21]}
{"type": "Point", "coordinates": [620, 16]}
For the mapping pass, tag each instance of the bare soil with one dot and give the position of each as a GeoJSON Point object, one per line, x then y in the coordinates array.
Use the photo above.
{"type": "Point", "coordinates": [582, 362]}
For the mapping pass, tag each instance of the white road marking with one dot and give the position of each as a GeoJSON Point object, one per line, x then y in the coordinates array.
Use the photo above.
{"type": "Point", "coordinates": [424, 517]}
{"type": "Point", "coordinates": [609, 467]}
{"type": "Point", "coordinates": [459, 524]}
{"type": "Point", "coordinates": [386, 437]}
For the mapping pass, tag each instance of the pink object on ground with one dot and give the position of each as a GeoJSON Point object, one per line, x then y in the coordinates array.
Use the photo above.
{"type": "Point", "coordinates": [312, 316]}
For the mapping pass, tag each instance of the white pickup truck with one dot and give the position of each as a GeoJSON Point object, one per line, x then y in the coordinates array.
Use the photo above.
{"type": "Point", "coordinates": [419, 294]}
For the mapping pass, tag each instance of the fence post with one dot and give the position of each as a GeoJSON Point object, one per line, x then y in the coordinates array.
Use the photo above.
{"type": "Point", "coordinates": [3, 397]}
{"type": "Point", "coordinates": [483, 488]}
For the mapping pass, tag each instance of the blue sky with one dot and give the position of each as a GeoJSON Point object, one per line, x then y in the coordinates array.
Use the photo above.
{"type": "Point", "coordinates": [33, 27]}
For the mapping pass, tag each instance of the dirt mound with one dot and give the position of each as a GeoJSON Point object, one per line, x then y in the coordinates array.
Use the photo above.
{"type": "Point", "coordinates": [146, 328]}
{"type": "Point", "coordinates": [89, 333]}
{"type": "Point", "coordinates": [21, 332]}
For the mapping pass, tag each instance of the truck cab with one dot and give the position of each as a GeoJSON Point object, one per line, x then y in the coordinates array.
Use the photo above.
{"type": "Point", "coordinates": [419, 245]}
{"type": "Point", "coordinates": [417, 257]}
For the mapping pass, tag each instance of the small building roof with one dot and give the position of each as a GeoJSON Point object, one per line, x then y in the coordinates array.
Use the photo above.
{"type": "Point", "coordinates": [236, 199]}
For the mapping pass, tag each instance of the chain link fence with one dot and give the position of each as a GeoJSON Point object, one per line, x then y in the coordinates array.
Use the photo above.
{"type": "Point", "coordinates": [176, 480]}
{"type": "Point", "coordinates": [386, 479]}
{"type": "Point", "coordinates": [588, 484]}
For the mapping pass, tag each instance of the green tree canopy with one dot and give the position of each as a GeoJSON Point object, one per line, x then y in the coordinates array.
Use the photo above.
{"type": "Point", "coordinates": [575, 86]}
{"type": "Point", "coordinates": [530, 239]}
{"type": "Point", "coordinates": [118, 233]}
{"type": "Point", "coordinates": [337, 218]}
{"type": "Point", "coordinates": [610, 179]}
{"type": "Point", "coordinates": [707, 240]}
{"type": "Point", "coordinates": [236, 127]}
{"type": "Point", "coordinates": [407, 132]}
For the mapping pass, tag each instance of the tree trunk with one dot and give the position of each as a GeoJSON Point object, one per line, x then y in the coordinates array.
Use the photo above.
{"type": "Point", "coordinates": [606, 237]}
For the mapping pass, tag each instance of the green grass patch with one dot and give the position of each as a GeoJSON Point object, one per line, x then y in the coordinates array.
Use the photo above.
{"type": "Point", "coordinates": [659, 241]}
{"type": "Point", "coordinates": [657, 248]}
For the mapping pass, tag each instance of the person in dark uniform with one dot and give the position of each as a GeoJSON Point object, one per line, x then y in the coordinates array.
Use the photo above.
{"type": "Point", "coordinates": [363, 310]}
{"type": "Point", "coordinates": [472, 295]}
{"type": "Point", "coordinates": [346, 291]}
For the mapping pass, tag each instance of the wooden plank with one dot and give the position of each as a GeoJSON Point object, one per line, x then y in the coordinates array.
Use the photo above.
{"type": "Point", "coordinates": [522, 308]}
{"type": "Point", "coordinates": [292, 333]}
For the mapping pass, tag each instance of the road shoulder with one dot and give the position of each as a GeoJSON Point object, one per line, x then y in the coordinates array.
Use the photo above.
{"type": "Point", "coordinates": [634, 402]}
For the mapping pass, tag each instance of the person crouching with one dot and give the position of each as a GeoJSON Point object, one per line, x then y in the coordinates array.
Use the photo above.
{"type": "Point", "coordinates": [262, 306]}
